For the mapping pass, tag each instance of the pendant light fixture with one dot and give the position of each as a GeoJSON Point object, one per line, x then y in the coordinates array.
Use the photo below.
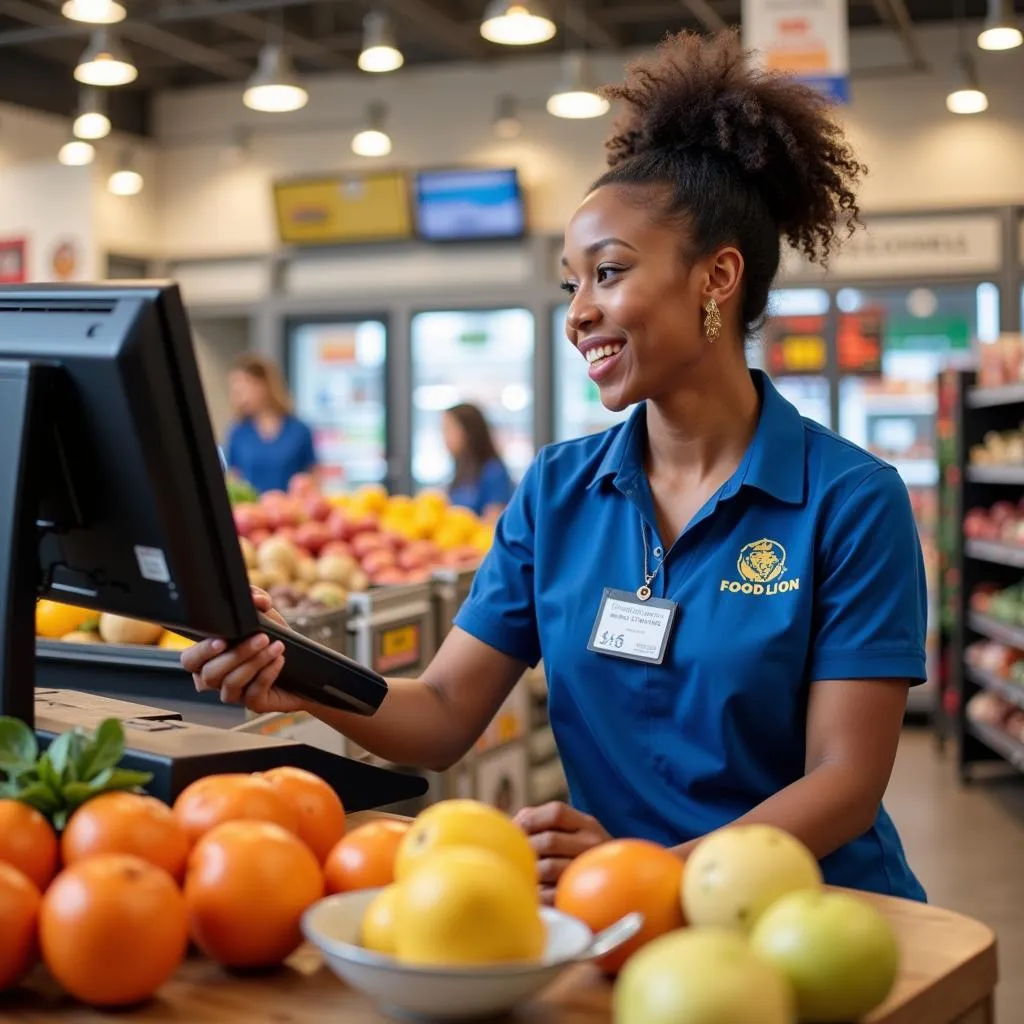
{"type": "Point", "coordinates": [522, 23]}
{"type": "Point", "coordinates": [380, 52]}
{"type": "Point", "coordinates": [575, 98]}
{"type": "Point", "coordinates": [273, 87]}
{"type": "Point", "coordinates": [77, 153]}
{"type": "Point", "coordinates": [94, 12]}
{"type": "Point", "coordinates": [965, 95]}
{"type": "Point", "coordinates": [92, 121]}
{"type": "Point", "coordinates": [373, 140]}
{"type": "Point", "coordinates": [105, 62]}
{"type": "Point", "coordinates": [126, 180]}
{"type": "Point", "coordinates": [1001, 30]}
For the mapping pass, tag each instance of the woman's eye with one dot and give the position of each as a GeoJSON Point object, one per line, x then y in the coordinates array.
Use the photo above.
{"type": "Point", "coordinates": [568, 286]}
{"type": "Point", "coordinates": [603, 273]}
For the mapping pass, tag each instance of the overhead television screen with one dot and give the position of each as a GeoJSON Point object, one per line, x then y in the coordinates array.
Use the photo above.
{"type": "Point", "coordinates": [346, 208]}
{"type": "Point", "coordinates": [460, 205]}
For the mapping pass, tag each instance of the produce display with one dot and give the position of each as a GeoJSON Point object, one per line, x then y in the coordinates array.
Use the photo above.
{"type": "Point", "coordinates": [1005, 604]}
{"type": "Point", "coordinates": [990, 709]}
{"type": "Point", "coordinates": [1002, 523]}
{"type": "Point", "coordinates": [997, 659]}
{"type": "Point", "coordinates": [1001, 362]}
{"type": "Point", "coordinates": [73, 625]}
{"type": "Point", "coordinates": [999, 448]}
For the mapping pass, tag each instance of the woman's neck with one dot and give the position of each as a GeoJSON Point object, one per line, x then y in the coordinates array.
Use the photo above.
{"type": "Point", "coordinates": [268, 422]}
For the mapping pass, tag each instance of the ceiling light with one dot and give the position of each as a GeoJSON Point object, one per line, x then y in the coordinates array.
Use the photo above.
{"type": "Point", "coordinates": [76, 153]}
{"type": "Point", "coordinates": [380, 51]}
{"type": "Point", "coordinates": [125, 181]}
{"type": "Point", "coordinates": [94, 12]}
{"type": "Point", "coordinates": [1000, 31]}
{"type": "Point", "coordinates": [574, 98]}
{"type": "Point", "coordinates": [966, 96]}
{"type": "Point", "coordinates": [273, 87]}
{"type": "Point", "coordinates": [516, 24]}
{"type": "Point", "coordinates": [506, 118]}
{"type": "Point", "coordinates": [105, 62]}
{"type": "Point", "coordinates": [373, 140]}
{"type": "Point", "coordinates": [92, 121]}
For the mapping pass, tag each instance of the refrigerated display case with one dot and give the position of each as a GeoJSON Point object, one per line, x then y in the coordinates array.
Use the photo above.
{"type": "Point", "coordinates": [481, 356]}
{"type": "Point", "coordinates": [337, 373]}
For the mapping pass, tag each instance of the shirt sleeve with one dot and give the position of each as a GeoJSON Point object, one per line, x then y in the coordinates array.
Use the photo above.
{"type": "Point", "coordinates": [500, 610]}
{"type": "Point", "coordinates": [871, 601]}
{"type": "Point", "coordinates": [495, 487]}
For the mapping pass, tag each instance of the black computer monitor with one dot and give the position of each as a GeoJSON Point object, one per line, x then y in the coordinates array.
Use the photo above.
{"type": "Point", "coordinates": [112, 495]}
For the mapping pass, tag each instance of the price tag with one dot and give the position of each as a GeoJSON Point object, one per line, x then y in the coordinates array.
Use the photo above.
{"type": "Point", "coordinates": [626, 627]}
{"type": "Point", "coordinates": [398, 648]}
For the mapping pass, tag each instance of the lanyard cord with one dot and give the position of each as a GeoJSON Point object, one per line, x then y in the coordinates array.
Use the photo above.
{"type": "Point", "coordinates": [644, 591]}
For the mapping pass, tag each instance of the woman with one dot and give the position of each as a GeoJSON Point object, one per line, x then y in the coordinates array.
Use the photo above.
{"type": "Point", "coordinates": [267, 445]}
{"type": "Point", "coordinates": [729, 600]}
{"type": "Point", "coordinates": [481, 481]}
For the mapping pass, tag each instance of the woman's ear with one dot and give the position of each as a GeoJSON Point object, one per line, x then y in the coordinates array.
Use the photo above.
{"type": "Point", "coordinates": [725, 272]}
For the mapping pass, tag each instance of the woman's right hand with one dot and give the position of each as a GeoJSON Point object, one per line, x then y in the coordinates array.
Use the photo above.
{"type": "Point", "coordinates": [244, 674]}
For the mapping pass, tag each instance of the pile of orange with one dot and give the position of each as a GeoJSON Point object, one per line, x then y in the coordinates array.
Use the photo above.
{"type": "Point", "coordinates": [109, 907]}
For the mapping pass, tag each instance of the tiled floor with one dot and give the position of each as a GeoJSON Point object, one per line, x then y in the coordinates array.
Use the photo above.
{"type": "Point", "coordinates": [967, 846]}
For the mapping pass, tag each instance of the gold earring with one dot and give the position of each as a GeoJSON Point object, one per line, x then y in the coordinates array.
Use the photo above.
{"type": "Point", "coordinates": [712, 320]}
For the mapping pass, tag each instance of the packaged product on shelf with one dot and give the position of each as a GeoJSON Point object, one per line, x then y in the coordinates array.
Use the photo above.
{"type": "Point", "coordinates": [1001, 362]}
{"type": "Point", "coordinates": [999, 448]}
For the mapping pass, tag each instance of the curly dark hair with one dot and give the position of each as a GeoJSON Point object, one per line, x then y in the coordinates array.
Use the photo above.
{"type": "Point", "coordinates": [749, 156]}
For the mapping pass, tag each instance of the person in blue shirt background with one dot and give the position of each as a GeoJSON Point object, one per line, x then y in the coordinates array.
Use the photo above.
{"type": "Point", "coordinates": [481, 481]}
{"type": "Point", "coordinates": [266, 445]}
{"type": "Point", "coordinates": [729, 599]}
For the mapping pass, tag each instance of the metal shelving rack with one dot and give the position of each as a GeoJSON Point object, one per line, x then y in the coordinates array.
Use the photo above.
{"type": "Point", "coordinates": [980, 411]}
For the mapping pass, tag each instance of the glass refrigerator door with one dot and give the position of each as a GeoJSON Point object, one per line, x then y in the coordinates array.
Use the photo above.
{"type": "Point", "coordinates": [337, 374]}
{"type": "Point", "coordinates": [578, 408]}
{"type": "Point", "coordinates": [890, 407]}
{"type": "Point", "coordinates": [480, 356]}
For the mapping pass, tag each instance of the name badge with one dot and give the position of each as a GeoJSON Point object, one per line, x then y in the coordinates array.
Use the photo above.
{"type": "Point", "coordinates": [627, 627]}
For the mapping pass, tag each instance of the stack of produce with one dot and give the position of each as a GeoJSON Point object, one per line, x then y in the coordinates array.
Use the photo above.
{"type": "Point", "coordinates": [999, 448]}
{"type": "Point", "coordinates": [1005, 604]}
{"type": "Point", "coordinates": [998, 659]}
{"type": "Point", "coordinates": [73, 625]}
{"type": "Point", "coordinates": [1003, 523]}
{"type": "Point", "coordinates": [990, 709]}
{"type": "Point", "coordinates": [387, 540]}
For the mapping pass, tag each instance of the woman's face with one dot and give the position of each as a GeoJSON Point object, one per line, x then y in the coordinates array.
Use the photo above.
{"type": "Point", "coordinates": [636, 311]}
{"type": "Point", "coordinates": [247, 394]}
{"type": "Point", "coordinates": [453, 434]}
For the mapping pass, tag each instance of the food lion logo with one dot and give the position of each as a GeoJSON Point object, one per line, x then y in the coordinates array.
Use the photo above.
{"type": "Point", "coordinates": [760, 565]}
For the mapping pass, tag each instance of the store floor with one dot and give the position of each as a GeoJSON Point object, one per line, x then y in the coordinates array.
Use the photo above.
{"type": "Point", "coordinates": [967, 846]}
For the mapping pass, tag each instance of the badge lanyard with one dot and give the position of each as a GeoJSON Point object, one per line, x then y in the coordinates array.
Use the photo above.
{"type": "Point", "coordinates": [644, 590]}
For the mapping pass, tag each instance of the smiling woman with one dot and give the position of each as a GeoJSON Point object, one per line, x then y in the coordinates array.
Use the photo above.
{"type": "Point", "coordinates": [734, 639]}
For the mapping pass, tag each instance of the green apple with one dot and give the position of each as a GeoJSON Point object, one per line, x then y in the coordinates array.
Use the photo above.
{"type": "Point", "coordinates": [837, 950]}
{"type": "Point", "coordinates": [701, 976]}
{"type": "Point", "coordinates": [733, 876]}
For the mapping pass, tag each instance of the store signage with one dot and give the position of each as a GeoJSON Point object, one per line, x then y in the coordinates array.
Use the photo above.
{"type": "Point", "coordinates": [795, 345]}
{"type": "Point", "coordinates": [859, 342]}
{"type": "Point", "coordinates": [929, 334]}
{"type": "Point", "coordinates": [807, 38]}
{"type": "Point", "coordinates": [909, 247]}
{"type": "Point", "coordinates": [13, 266]}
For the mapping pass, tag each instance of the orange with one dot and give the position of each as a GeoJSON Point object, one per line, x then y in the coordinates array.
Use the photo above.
{"type": "Point", "coordinates": [365, 858]}
{"type": "Point", "coordinates": [321, 814]}
{"type": "Point", "coordinates": [247, 886]}
{"type": "Point", "coordinates": [19, 911]}
{"type": "Point", "coordinates": [54, 619]}
{"type": "Point", "coordinates": [27, 841]}
{"type": "Point", "coordinates": [174, 641]}
{"type": "Point", "coordinates": [113, 929]}
{"type": "Point", "coordinates": [218, 798]}
{"type": "Point", "coordinates": [127, 823]}
{"type": "Point", "coordinates": [617, 878]}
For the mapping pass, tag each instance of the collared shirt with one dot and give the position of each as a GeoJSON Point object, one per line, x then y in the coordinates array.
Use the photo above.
{"type": "Point", "coordinates": [492, 487]}
{"type": "Point", "coordinates": [269, 463]}
{"type": "Point", "coordinates": [804, 567]}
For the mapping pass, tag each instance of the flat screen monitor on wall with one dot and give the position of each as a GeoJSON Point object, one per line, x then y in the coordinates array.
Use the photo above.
{"type": "Point", "coordinates": [346, 208]}
{"type": "Point", "coordinates": [469, 204]}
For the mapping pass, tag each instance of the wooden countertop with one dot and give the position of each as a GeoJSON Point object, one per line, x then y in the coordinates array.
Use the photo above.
{"type": "Point", "coordinates": [947, 976]}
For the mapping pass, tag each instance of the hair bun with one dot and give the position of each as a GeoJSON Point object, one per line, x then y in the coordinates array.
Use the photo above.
{"type": "Point", "coordinates": [704, 95]}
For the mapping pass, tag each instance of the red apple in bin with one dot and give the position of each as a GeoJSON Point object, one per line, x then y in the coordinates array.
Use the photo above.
{"type": "Point", "coordinates": [1001, 511]}
{"type": "Point", "coordinates": [363, 543]}
{"type": "Point", "coordinates": [316, 507]}
{"type": "Point", "coordinates": [336, 547]}
{"type": "Point", "coordinates": [312, 536]}
{"type": "Point", "coordinates": [302, 485]}
{"type": "Point", "coordinates": [374, 561]}
{"type": "Point", "coordinates": [259, 536]}
{"type": "Point", "coordinates": [357, 526]}
{"type": "Point", "coordinates": [975, 523]}
{"type": "Point", "coordinates": [337, 525]}
{"type": "Point", "coordinates": [388, 577]}
{"type": "Point", "coordinates": [273, 497]}
{"type": "Point", "coordinates": [248, 518]}
{"type": "Point", "coordinates": [395, 541]}
{"type": "Point", "coordinates": [280, 513]}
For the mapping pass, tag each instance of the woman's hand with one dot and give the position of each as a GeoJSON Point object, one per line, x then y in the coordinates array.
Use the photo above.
{"type": "Point", "coordinates": [245, 673]}
{"type": "Point", "coordinates": [558, 834]}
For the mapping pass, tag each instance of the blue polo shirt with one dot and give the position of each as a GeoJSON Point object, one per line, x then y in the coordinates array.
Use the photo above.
{"type": "Point", "coordinates": [493, 487]}
{"type": "Point", "coordinates": [268, 464]}
{"type": "Point", "coordinates": [804, 567]}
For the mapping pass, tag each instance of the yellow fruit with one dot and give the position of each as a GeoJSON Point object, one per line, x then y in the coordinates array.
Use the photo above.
{"type": "Point", "coordinates": [467, 906]}
{"type": "Point", "coordinates": [466, 823]}
{"type": "Point", "coordinates": [174, 641]}
{"type": "Point", "coordinates": [483, 539]}
{"type": "Point", "coordinates": [371, 497]}
{"type": "Point", "coordinates": [426, 520]}
{"type": "Point", "coordinates": [400, 504]}
{"type": "Point", "coordinates": [54, 620]}
{"type": "Point", "coordinates": [432, 499]}
{"type": "Point", "coordinates": [448, 537]}
{"type": "Point", "coordinates": [378, 930]}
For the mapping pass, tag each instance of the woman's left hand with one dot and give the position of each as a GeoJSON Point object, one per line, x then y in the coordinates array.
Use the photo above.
{"type": "Point", "coordinates": [558, 834]}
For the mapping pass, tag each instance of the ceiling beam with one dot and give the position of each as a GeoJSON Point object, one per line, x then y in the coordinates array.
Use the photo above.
{"type": "Point", "coordinates": [313, 51]}
{"type": "Point", "coordinates": [709, 18]}
{"type": "Point", "coordinates": [894, 13]}
{"type": "Point", "coordinates": [437, 25]}
{"type": "Point", "coordinates": [589, 29]}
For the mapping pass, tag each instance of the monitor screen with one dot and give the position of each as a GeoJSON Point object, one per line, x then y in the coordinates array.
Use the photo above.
{"type": "Point", "coordinates": [459, 205]}
{"type": "Point", "coordinates": [343, 209]}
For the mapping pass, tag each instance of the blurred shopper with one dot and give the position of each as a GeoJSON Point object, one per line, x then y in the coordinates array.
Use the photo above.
{"type": "Point", "coordinates": [481, 481]}
{"type": "Point", "coordinates": [266, 445]}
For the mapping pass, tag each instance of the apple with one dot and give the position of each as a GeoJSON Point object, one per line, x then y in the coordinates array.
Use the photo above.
{"type": "Point", "coordinates": [374, 561]}
{"type": "Point", "coordinates": [337, 525]}
{"type": "Point", "coordinates": [362, 544]}
{"type": "Point", "coordinates": [356, 526]}
{"type": "Point", "coordinates": [273, 497]}
{"type": "Point", "coordinates": [838, 952]}
{"type": "Point", "coordinates": [316, 507]}
{"type": "Point", "coordinates": [388, 576]}
{"type": "Point", "coordinates": [336, 547]}
{"type": "Point", "coordinates": [280, 513]}
{"type": "Point", "coordinates": [734, 875]}
{"type": "Point", "coordinates": [701, 976]}
{"type": "Point", "coordinates": [302, 485]}
{"type": "Point", "coordinates": [259, 536]}
{"type": "Point", "coordinates": [248, 518]}
{"type": "Point", "coordinates": [410, 559]}
{"type": "Point", "coordinates": [287, 533]}
{"type": "Point", "coordinates": [395, 540]}
{"type": "Point", "coordinates": [312, 536]}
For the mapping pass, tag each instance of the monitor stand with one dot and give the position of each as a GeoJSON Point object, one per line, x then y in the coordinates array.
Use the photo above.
{"type": "Point", "coordinates": [176, 752]}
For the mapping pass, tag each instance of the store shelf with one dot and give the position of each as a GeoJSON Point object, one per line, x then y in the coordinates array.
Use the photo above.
{"type": "Point", "coordinates": [1012, 692]}
{"type": "Point", "coordinates": [996, 630]}
{"type": "Point", "coordinates": [996, 474]}
{"type": "Point", "coordinates": [998, 554]}
{"type": "Point", "coordinates": [995, 739]}
{"type": "Point", "coordinates": [982, 398]}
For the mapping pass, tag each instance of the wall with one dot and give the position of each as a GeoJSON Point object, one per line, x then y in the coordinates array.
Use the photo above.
{"type": "Point", "coordinates": [919, 155]}
{"type": "Point", "coordinates": [217, 342]}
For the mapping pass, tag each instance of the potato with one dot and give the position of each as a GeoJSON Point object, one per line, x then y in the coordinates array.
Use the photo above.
{"type": "Point", "coordinates": [278, 553]}
{"type": "Point", "coordinates": [336, 569]}
{"type": "Point", "coordinates": [116, 629]}
{"type": "Point", "coordinates": [81, 636]}
{"type": "Point", "coordinates": [358, 581]}
{"type": "Point", "coordinates": [305, 570]}
{"type": "Point", "coordinates": [248, 552]}
{"type": "Point", "coordinates": [331, 595]}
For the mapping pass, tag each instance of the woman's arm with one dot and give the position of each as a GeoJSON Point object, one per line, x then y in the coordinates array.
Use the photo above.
{"type": "Point", "coordinates": [853, 729]}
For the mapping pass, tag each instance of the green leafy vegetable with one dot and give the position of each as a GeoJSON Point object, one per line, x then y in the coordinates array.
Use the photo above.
{"type": "Point", "coordinates": [74, 768]}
